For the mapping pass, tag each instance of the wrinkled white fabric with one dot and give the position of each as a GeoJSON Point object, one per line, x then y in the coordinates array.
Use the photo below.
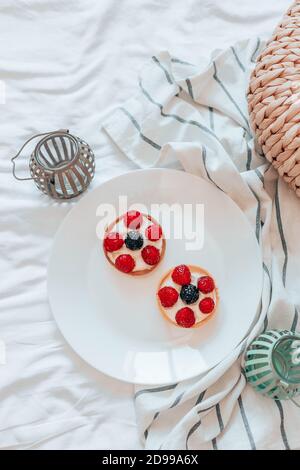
{"type": "Point", "coordinates": [68, 64]}
{"type": "Point", "coordinates": [196, 117]}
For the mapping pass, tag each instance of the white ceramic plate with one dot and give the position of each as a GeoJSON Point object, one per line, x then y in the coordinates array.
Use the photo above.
{"type": "Point", "coordinates": [111, 320]}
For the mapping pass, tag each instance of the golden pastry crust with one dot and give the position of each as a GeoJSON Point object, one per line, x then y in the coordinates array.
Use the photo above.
{"type": "Point", "coordinates": [142, 271]}
{"type": "Point", "coordinates": [202, 272]}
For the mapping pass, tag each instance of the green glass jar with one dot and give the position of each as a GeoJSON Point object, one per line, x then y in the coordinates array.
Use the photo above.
{"type": "Point", "coordinates": [272, 364]}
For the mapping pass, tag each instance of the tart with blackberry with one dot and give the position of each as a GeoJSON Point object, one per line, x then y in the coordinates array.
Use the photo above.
{"type": "Point", "coordinates": [134, 243]}
{"type": "Point", "coordinates": [187, 296]}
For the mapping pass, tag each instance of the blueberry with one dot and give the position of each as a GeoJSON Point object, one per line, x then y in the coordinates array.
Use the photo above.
{"type": "Point", "coordinates": [134, 240]}
{"type": "Point", "coordinates": [189, 294]}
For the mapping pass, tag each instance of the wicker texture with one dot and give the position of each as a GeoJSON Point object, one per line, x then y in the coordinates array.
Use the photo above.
{"type": "Point", "coordinates": [274, 98]}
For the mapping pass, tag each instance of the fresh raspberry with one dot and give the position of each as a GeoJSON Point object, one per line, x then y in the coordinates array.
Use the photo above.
{"type": "Point", "coordinates": [206, 305]}
{"type": "Point", "coordinates": [168, 296]}
{"type": "Point", "coordinates": [153, 232]}
{"type": "Point", "coordinates": [206, 284]}
{"type": "Point", "coordinates": [133, 219]}
{"type": "Point", "coordinates": [150, 255]}
{"type": "Point", "coordinates": [185, 317]}
{"type": "Point", "coordinates": [113, 241]}
{"type": "Point", "coordinates": [125, 263]}
{"type": "Point", "coordinates": [181, 275]}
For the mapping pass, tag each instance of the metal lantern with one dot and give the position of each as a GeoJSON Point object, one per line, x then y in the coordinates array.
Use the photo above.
{"type": "Point", "coordinates": [272, 364]}
{"type": "Point", "coordinates": [61, 165]}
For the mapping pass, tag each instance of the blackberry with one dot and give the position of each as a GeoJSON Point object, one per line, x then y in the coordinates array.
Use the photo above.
{"type": "Point", "coordinates": [134, 240]}
{"type": "Point", "coordinates": [189, 294]}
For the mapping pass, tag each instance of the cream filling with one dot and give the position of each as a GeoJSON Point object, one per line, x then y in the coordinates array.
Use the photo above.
{"type": "Point", "coordinates": [171, 311]}
{"type": "Point", "coordinates": [140, 264]}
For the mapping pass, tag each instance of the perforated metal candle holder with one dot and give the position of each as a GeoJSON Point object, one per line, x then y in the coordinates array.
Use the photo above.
{"type": "Point", "coordinates": [272, 364]}
{"type": "Point", "coordinates": [61, 164]}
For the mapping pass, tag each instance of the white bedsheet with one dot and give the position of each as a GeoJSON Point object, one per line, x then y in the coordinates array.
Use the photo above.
{"type": "Point", "coordinates": [67, 64]}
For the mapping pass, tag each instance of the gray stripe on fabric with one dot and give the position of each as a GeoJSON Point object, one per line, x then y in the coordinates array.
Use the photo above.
{"type": "Point", "coordinates": [219, 81]}
{"type": "Point", "coordinates": [198, 423]}
{"type": "Point", "coordinates": [249, 154]}
{"type": "Point", "coordinates": [266, 320]}
{"type": "Point", "coordinates": [138, 127]}
{"type": "Point", "coordinates": [266, 323]}
{"type": "Point", "coordinates": [295, 321]}
{"type": "Point", "coordinates": [269, 276]}
{"type": "Point", "coordinates": [211, 118]}
{"type": "Point", "coordinates": [155, 390]}
{"type": "Point", "coordinates": [281, 233]}
{"type": "Point", "coordinates": [179, 61]}
{"type": "Point", "coordinates": [146, 432]}
{"type": "Point", "coordinates": [282, 428]}
{"type": "Point", "coordinates": [214, 444]}
{"type": "Point", "coordinates": [177, 400]}
{"type": "Point", "coordinates": [257, 213]}
{"type": "Point", "coordinates": [258, 173]}
{"type": "Point", "coordinates": [237, 59]}
{"type": "Point", "coordinates": [246, 423]}
{"type": "Point", "coordinates": [166, 72]}
{"type": "Point", "coordinates": [200, 397]}
{"type": "Point", "coordinates": [190, 88]}
{"type": "Point", "coordinates": [253, 57]}
{"type": "Point", "coordinates": [205, 409]}
{"type": "Point", "coordinates": [175, 116]}
{"type": "Point", "coordinates": [204, 155]}
{"type": "Point", "coordinates": [219, 416]}
{"type": "Point", "coordinates": [191, 431]}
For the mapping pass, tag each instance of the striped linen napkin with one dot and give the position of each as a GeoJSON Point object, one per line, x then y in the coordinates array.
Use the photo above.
{"type": "Point", "coordinates": [195, 118]}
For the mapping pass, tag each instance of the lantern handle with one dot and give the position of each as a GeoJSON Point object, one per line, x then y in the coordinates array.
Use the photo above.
{"type": "Point", "coordinates": [24, 145]}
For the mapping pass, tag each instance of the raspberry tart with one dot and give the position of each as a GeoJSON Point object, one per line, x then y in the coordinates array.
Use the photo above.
{"type": "Point", "coordinates": [187, 296]}
{"type": "Point", "coordinates": [134, 243]}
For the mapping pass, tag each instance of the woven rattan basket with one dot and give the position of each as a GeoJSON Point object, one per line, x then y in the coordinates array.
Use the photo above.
{"type": "Point", "coordinates": [274, 98]}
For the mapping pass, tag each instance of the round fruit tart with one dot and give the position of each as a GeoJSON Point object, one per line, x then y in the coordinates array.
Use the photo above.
{"type": "Point", "coordinates": [187, 296]}
{"type": "Point", "coordinates": [134, 243]}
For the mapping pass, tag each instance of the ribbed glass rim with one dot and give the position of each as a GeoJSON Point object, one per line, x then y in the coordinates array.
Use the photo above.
{"type": "Point", "coordinates": [63, 135]}
{"type": "Point", "coordinates": [273, 359]}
